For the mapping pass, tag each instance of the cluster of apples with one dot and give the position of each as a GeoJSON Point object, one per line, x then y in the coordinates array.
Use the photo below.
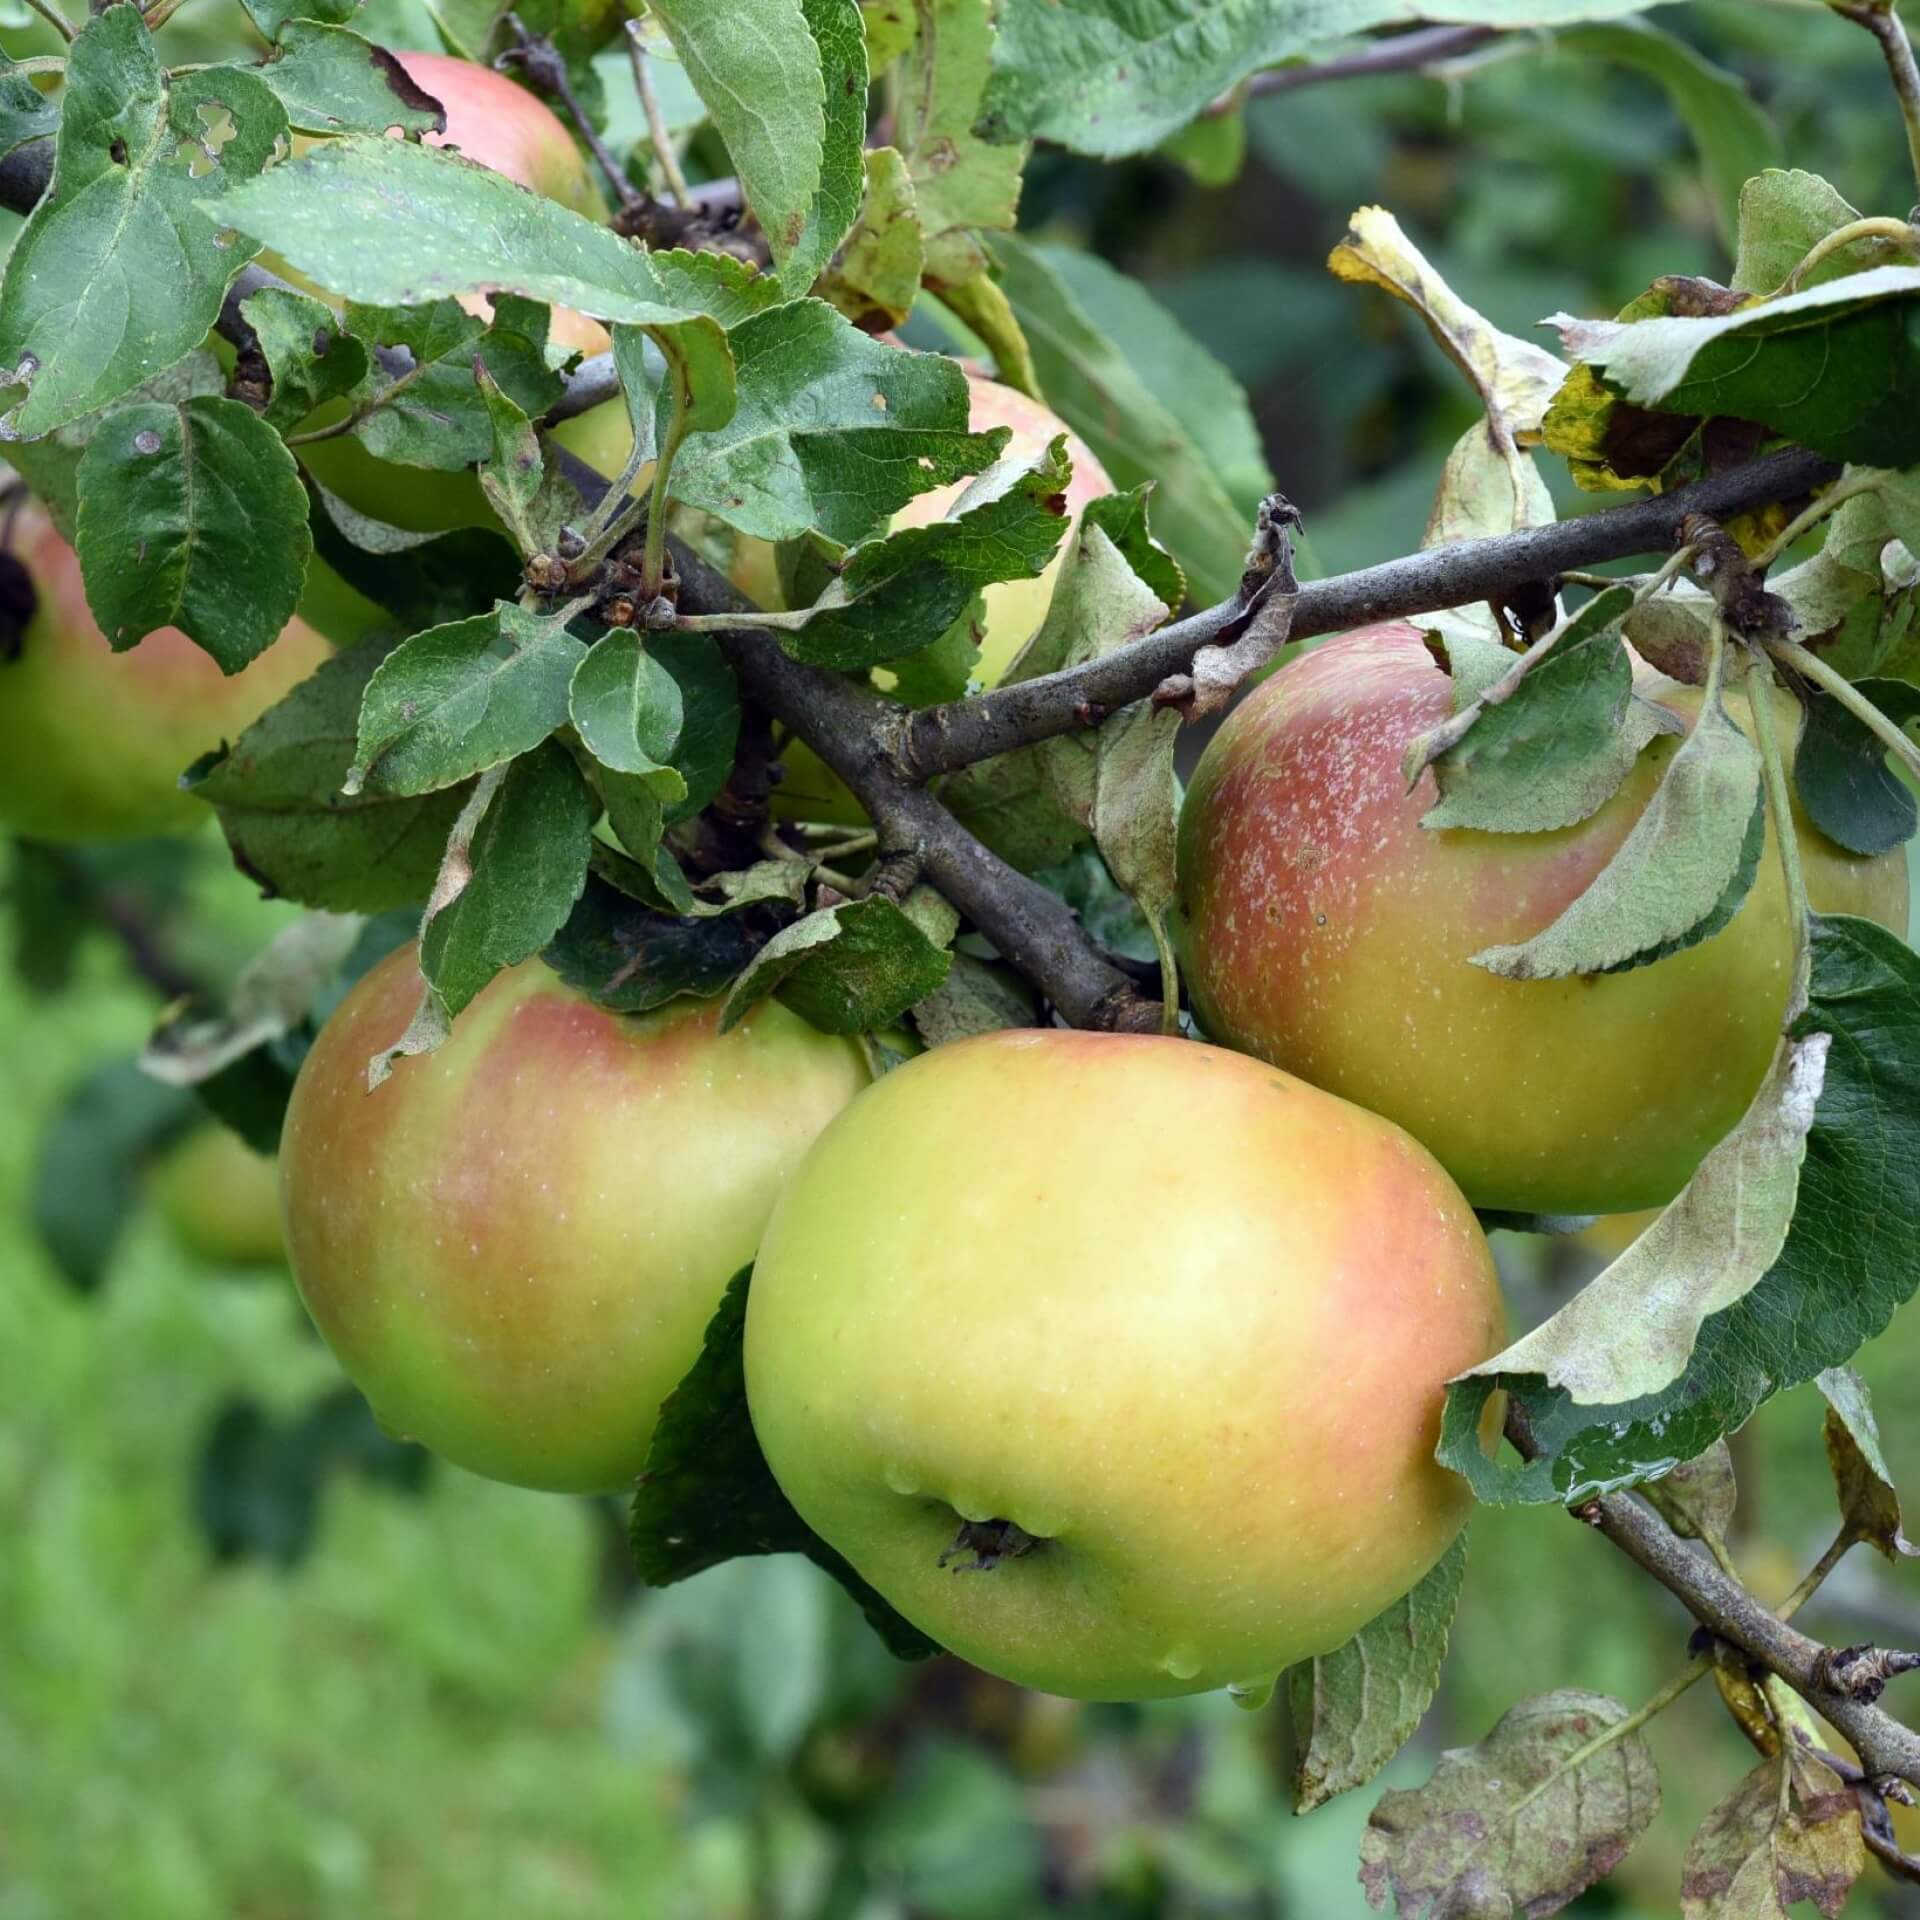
{"type": "Point", "coordinates": [1115, 1363]}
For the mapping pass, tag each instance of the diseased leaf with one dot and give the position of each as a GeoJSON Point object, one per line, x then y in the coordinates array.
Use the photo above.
{"type": "Point", "coordinates": [708, 1495]}
{"type": "Point", "coordinates": [392, 223]}
{"type": "Point", "coordinates": [1630, 1332]}
{"type": "Point", "coordinates": [1697, 1499]}
{"type": "Point", "coordinates": [1677, 878]}
{"type": "Point", "coordinates": [1789, 1833]}
{"type": "Point", "coordinates": [1869, 1501]}
{"type": "Point", "coordinates": [632, 958]}
{"type": "Point", "coordinates": [311, 357]}
{"type": "Point", "coordinates": [1842, 775]}
{"type": "Point", "coordinates": [1846, 1265]}
{"type": "Point", "coordinates": [1514, 1818]}
{"type": "Point", "coordinates": [1354, 1708]}
{"type": "Point", "coordinates": [975, 997]}
{"type": "Point", "coordinates": [273, 16]}
{"type": "Point", "coordinates": [127, 227]}
{"type": "Point", "coordinates": [877, 277]}
{"type": "Point", "coordinates": [192, 516]}
{"type": "Point", "coordinates": [331, 80]}
{"type": "Point", "coordinates": [456, 700]}
{"type": "Point", "coordinates": [277, 791]}
{"type": "Point", "coordinates": [756, 66]}
{"type": "Point", "coordinates": [845, 969]}
{"type": "Point", "coordinates": [1835, 367]}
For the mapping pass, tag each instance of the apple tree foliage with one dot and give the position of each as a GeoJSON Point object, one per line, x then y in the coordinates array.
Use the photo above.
{"type": "Point", "coordinates": [539, 744]}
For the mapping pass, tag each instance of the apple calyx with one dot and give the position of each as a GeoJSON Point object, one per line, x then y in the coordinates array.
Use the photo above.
{"type": "Point", "coordinates": [990, 1542]}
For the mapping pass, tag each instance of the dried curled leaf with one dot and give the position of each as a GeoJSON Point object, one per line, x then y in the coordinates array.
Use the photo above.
{"type": "Point", "coordinates": [1869, 1502]}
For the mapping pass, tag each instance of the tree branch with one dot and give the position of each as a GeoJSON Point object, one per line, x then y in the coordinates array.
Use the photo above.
{"type": "Point", "coordinates": [1403, 51]}
{"type": "Point", "coordinates": [934, 740]}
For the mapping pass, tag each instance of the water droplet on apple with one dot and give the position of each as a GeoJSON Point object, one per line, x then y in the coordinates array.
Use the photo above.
{"type": "Point", "coordinates": [1183, 1663]}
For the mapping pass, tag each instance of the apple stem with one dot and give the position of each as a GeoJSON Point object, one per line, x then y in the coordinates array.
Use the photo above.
{"type": "Point", "coordinates": [1849, 487]}
{"type": "Point", "coordinates": [1817, 1574]}
{"type": "Point", "coordinates": [1809, 664]}
{"type": "Point", "coordinates": [1759, 683]}
{"type": "Point", "coordinates": [1901, 235]}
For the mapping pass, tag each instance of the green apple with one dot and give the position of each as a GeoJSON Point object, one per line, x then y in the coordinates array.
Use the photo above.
{"type": "Point", "coordinates": [93, 742]}
{"type": "Point", "coordinates": [221, 1199]}
{"type": "Point", "coordinates": [1328, 932]}
{"type": "Point", "coordinates": [1164, 1328]}
{"type": "Point", "coordinates": [514, 1246]}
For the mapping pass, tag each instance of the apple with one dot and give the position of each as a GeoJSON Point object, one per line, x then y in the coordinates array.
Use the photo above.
{"type": "Point", "coordinates": [93, 742]}
{"type": "Point", "coordinates": [1175, 1350]}
{"type": "Point", "coordinates": [221, 1199]}
{"type": "Point", "coordinates": [514, 1246]}
{"type": "Point", "coordinates": [1328, 932]}
{"type": "Point", "coordinates": [499, 124]}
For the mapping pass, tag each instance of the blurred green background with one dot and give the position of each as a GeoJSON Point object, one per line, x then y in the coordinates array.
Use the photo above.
{"type": "Point", "coordinates": [255, 1663]}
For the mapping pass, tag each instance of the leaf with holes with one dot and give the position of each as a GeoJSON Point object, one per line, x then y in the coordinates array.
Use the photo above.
{"type": "Point", "coordinates": [1847, 1262]}
{"type": "Point", "coordinates": [846, 969]}
{"type": "Point", "coordinates": [456, 700]}
{"type": "Point", "coordinates": [394, 224]}
{"type": "Point", "coordinates": [192, 516]}
{"type": "Point", "coordinates": [120, 269]}
{"type": "Point", "coordinates": [311, 357]}
{"type": "Point", "coordinates": [1531, 1815]}
{"type": "Point", "coordinates": [1678, 877]}
{"type": "Point", "coordinates": [331, 80]}
{"type": "Point", "coordinates": [277, 792]}
{"type": "Point", "coordinates": [708, 1495]}
{"type": "Point", "coordinates": [832, 430]}
{"type": "Point", "coordinates": [1354, 1708]}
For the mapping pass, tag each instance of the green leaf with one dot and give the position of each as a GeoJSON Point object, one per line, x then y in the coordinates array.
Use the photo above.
{"type": "Point", "coordinates": [456, 700]}
{"type": "Point", "coordinates": [1677, 878]}
{"type": "Point", "coordinates": [277, 790]}
{"type": "Point", "coordinates": [1869, 1501]}
{"type": "Point", "coordinates": [699, 390]}
{"type": "Point", "coordinates": [120, 269]}
{"type": "Point", "coordinates": [962, 185]}
{"type": "Point", "coordinates": [193, 516]}
{"type": "Point", "coordinates": [1784, 215]}
{"type": "Point", "coordinates": [1354, 1708]}
{"type": "Point", "coordinates": [1734, 138]}
{"type": "Point", "coordinates": [626, 708]}
{"type": "Point", "coordinates": [903, 592]}
{"type": "Point", "coordinates": [846, 969]}
{"type": "Point", "coordinates": [331, 80]}
{"type": "Point", "coordinates": [757, 67]}
{"type": "Point", "coordinates": [637, 361]}
{"type": "Point", "coordinates": [516, 875]}
{"type": "Point", "coordinates": [1549, 748]}
{"type": "Point", "coordinates": [632, 958]}
{"type": "Point", "coordinates": [1109, 78]}
{"type": "Point", "coordinates": [434, 414]}
{"type": "Point", "coordinates": [272, 16]}
{"type": "Point", "coordinates": [1515, 1825]}
{"type": "Point", "coordinates": [877, 278]}
{"type": "Point", "coordinates": [512, 476]}
{"type": "Point", "coordinates": [1846, 1265]}
{"type": "Point", "coordinates": [391, 223]}
{"type": "Point", "coordinates": [710, 716]}
{"type": "Point", "coordinates": [708, 1495]}
{"type": "Point", "coordinates": [25, 112]}
{"type": "Point", "coordinates": [833, 430]}
{"type": "Point", "coordinates": [422, 579]}
{"type": "Point", "coordinates": [312, 359]}
{"type": "Point", "coordinates": [1114, 401]}
{"type": "Point", "coordinates": [1834, 367]}
{"type": "Point", "coordinates": [1842, 775]}
{"type": "Point", "coordinates": [841, 37]}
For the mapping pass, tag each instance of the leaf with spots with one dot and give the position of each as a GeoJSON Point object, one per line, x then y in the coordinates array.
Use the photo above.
{"type": "Point", "coordinates": [877, 277]}
{"type": "Point", "coordinates": [1543, 1808]}
{"type": "Point", "coordinates": [1354, 1708]}
{"type": "Point", "coordinates": [535, 502]}
{"type": "Point", "coordinates": [120, 269]}
{"type": "Point", "coordinates": [708, 1495]}
{"type": "Point", "coordinates": [192, 515]}
{"type": "Point", "coordinates": [331, 80]}
{"type": "Point", "coordinates": [846, 969]}
{"type": "Point", "coordinates": [1788, 1834]}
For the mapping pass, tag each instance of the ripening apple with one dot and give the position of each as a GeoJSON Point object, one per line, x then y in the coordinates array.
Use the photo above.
{"type": "Point", "coordinates": [514, 1246]}
{"type": "Point", "coordinates": [499, 124]}
{"type": "Point", "coordinates": [1328, 932]}
{"type": "Point", "coordinates": [810, 789]}
{"type": "Point", "coordinates": [220, 1197]}
{"type": "Point", "coordinates": [93, 742]}
{"type": "Point", "coordinates": [1170, 1361]}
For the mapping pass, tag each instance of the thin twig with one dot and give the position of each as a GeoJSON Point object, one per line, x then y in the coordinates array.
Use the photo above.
{"type": "Point", "coordinates": [544, 67]}
{"type": "Point", "coordinates": [1404, 51]}
{"type": "Point", "coordinates": [1810, 666]}
{"type": "Point", "coordinates": [54, 18]}
{"type": "Point", "coordinates": [1883, 23]}
{"type": "Point", "coordinates": [1817, 1574]}
{"type": "Point", "coordinates": [656, 120]}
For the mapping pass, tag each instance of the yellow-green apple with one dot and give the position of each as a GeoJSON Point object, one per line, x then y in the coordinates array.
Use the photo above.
{"type": "Point", "coordinates": [93, 742]}
{"type": "Point", "coordinates": [1328, 932]}
{"type": "Point", "coordinates": [810, 789]}
{"type": "Point", "coordinates": [221, 1198]}
{"type": "Point", "coordinates": [499, 124]}
{"type": "Point", "coordinates": [1145, 1401]}
{"type": "Point", "coordinates": [514, 1246]}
